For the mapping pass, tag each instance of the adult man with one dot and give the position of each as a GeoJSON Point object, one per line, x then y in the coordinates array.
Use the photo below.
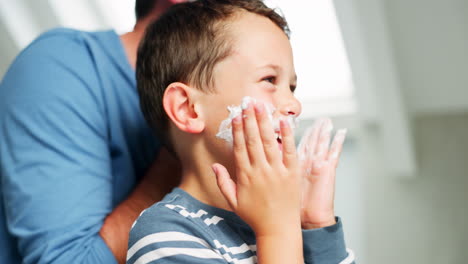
{"type": "Point", "coordinates": [75, 151]}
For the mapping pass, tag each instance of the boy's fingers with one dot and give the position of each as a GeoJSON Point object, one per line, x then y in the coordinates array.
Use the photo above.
{"type": "Point", "coordinates": [304, 150]}
{"type": "Point", "coordinates": [270, 144]}
{"type": "Point", "coordinates": [253, 141]}
{"type": "Point", "coordinates": [289, 148]}
{"type": "Point", "coordinates": [226, 185]}
{"type": "Point", "coordinates": [323, 142]}
{"type": "Point", "coordinates": [337, 146]}
{"type": "Point", "coordinates": [240, 151]}
{"type": "Point", "coordinates": [314, 136]}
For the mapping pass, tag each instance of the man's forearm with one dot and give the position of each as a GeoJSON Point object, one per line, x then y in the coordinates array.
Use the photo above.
{"type": "Point", "coordinates": [117, 225]}
{"type": "Point", "coordinates": [160, 179]}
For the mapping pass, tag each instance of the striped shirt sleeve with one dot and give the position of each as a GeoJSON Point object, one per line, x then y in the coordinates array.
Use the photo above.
{"type": "Point", "coordinates": [327, 245]}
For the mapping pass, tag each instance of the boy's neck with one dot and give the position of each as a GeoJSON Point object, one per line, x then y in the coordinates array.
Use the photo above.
{"type": "Point", "coordinates": [199, 180]}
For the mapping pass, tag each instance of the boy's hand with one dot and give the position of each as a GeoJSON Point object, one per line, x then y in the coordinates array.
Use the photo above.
{"type": "Point", "coordinates": [265, 192]}
{"type": "Point", "coordinates": [319, 161]}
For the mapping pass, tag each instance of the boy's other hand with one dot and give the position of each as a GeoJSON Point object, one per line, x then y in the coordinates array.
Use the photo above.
{"type": "Point", "coordinates": [265, 192]}
{"type": "Point", "coordinates": [319, 161]}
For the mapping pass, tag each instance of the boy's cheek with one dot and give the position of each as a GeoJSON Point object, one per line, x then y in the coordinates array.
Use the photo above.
{"type": "Point", "coordinates": [225, 126]}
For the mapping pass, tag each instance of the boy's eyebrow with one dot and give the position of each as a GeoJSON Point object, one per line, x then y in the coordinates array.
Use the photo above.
{"type": "Point", "coordinates": [271, 65]}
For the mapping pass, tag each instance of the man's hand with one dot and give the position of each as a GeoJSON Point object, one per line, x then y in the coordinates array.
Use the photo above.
{"type": "Point", "coordinates": [163, 175]}
{"type": "Point", "coordinates": [319, 161]}
{"type": "Point", "coordinates": [265, 192]}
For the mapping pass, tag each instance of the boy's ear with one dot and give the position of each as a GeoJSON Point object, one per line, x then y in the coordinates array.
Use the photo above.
{"type": "Point", "coordinates": [180, 105]}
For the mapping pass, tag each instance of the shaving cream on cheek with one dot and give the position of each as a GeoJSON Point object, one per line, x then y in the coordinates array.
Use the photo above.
{"type": "Point", "coordinates": [225, 129]}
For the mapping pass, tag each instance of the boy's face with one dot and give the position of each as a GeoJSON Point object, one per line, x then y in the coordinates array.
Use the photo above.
{"type": "Point", "coordinates": [260, 66]}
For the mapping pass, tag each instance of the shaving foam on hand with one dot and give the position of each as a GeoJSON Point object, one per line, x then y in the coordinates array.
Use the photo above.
{"type": "Point", "coordinates": [306, 153]}
{"type": "Point", "coordinates": [225, 129]}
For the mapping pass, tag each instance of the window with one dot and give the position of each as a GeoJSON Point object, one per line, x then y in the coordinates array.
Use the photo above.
{"type": "Point", "coordinates": [94, 15]}
{"type": "Point", "coordinates": [325, 84]}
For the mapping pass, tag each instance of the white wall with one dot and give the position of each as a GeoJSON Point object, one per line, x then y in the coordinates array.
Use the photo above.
{"type": "Point", "coordinates": [422, 220]}
{"type": "Point", "coordinates": [8, 49]}
{"type": "Point", "coordinates": [430, 40]}
{"type": "Point", "coordinates": [350, 200]}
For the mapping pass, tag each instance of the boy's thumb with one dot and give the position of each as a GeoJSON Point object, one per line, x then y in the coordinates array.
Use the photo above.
{"type": "Point", "coordinates": [226, 185]}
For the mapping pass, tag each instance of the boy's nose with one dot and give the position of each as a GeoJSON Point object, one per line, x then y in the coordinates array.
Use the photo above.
{"type": "Point", "coordinates": [291, 106]}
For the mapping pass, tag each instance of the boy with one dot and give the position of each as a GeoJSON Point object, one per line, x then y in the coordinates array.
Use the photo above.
{"type": "Point", "coordinates": [195, 61]}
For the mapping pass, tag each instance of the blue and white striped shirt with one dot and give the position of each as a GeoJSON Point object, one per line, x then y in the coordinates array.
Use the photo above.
{"type": "Point", "coordinates": [181, 229]}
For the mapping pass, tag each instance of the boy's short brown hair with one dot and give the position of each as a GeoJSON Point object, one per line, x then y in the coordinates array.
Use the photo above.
{"type": "Point", "coordinates": [184, 45]}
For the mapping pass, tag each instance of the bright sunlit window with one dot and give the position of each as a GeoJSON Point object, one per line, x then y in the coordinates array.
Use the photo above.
{"type": "Point", "coordinates": [119, 14]}
{"type": "Point", "coordinates": [325, 84]}
{"type": "Point", "coordinates": [97, 14]}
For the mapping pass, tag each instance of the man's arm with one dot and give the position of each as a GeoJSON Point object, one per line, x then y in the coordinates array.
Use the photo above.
{"type": "Point", "coordinates": [151, 189]}
{"type": "Point", "coordinates": [56, 167]}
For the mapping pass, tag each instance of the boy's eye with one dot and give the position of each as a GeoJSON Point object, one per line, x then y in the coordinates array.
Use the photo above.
{"type": "Point", "coordinates": [270, 79]}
